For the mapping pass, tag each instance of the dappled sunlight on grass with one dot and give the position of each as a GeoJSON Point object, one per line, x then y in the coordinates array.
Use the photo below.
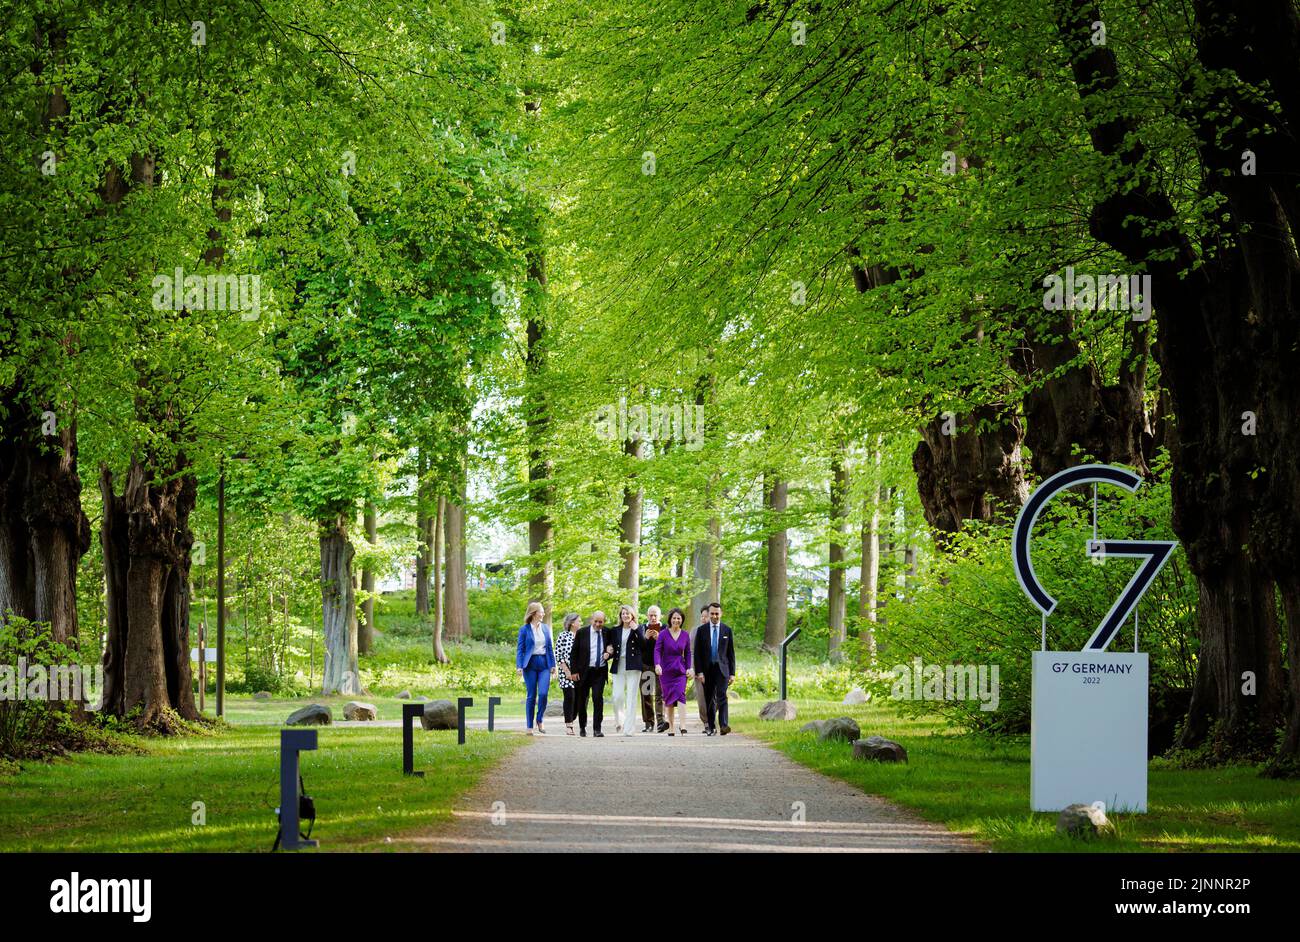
{"type": "Point", "coordinates": [146, 803]}
{"type": "Point", "coordinates": [979, 786]}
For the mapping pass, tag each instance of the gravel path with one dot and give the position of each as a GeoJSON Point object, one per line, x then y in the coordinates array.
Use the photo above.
{"type": "Point", "coordinates": [659, 793]}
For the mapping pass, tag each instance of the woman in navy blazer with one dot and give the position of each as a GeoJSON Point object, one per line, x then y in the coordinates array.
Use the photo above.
{"type": "Point", "coordinates": [535, 662]}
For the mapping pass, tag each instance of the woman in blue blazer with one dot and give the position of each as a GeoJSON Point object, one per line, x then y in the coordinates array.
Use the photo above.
{"type": "Point", "coordinates": [535, 662]}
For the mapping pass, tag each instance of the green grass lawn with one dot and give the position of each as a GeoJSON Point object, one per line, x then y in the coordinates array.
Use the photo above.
{"type": "Point", "coordinates": [980, 787]}
{"type": "Point", "coordinates": [145, 802]}
{"type": "Point", "coordinates": [971, 784]}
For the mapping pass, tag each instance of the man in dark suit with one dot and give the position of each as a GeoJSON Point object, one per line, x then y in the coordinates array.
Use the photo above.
{"type": "Point", "coordinates": [588, 660]}
{"type": "Point", "coordinates": [701, 702]}
{"type": "Point", "coordinates": [715, 667]}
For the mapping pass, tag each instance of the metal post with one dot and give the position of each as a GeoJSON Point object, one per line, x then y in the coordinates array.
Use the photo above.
{"type": "Point", "coordinates": [461, 704]}
{"type": "Point", "coordinates": [221, 591]}
{"type": "Point", "coordinates": [784, 647]}
{"type": "Point", "coordinates": [292, 741]}
{"type": "Point", "coordinates": [492, 709]}
{"type": "Point", "coordinates": [203, 666]}
{"type": "Point", "coordinates": [409, 712]}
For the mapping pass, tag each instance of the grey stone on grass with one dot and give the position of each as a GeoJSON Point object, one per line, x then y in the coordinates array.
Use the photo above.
{"type": "Point", "coordinates": [778, 710]}
{"type": "Point", "coordinates": [311, 715]}
{"type": "Point", "coordinates": [439, 714]}
{"type": "Point", "coordinates": [356, 710]}
{"type": "Point", "coordinates": [879, 749]}
{"type": "Point", "coordinates": [1084, 822]}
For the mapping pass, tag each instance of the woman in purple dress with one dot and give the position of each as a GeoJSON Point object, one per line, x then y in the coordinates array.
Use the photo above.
{"type": "Point", "coordinates": [673, 665]}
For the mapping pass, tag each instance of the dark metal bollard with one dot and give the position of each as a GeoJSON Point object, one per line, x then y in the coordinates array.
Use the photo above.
{"type": "Point", "coordinates": [292, 741]}
{"type": "Point", "coordinates": [784, 645]}
{"type": "Point", "coordinates": [409, 712]}
{"type": "Point", "coordinates": [461, 704]}
{"type": "Point", "coordinates": [492, 711]}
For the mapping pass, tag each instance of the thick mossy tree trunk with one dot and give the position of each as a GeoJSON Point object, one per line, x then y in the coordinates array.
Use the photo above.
{"type": "Point", "coordinates": [969, 468]}
{"type": "Point", "coordinates": [1070, 407]}
{"type": "Point", "coordinates": [43, 530]}
{"type": "Point", "coordinates": [1228, 344]}
{"type": "Point", "coordinates": [146, 540]}
{"type": "Point", "coordinates": [338, 608]}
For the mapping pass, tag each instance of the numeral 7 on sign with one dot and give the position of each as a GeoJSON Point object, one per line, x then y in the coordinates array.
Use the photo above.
{"type": "Point", "coordinates": [1156, 553]}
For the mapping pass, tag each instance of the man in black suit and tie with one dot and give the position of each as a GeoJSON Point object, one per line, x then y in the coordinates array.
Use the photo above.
{"type": "Point", "coordinates": [715, 666]}
{"type": "Point", "coordinates": [588, 660]}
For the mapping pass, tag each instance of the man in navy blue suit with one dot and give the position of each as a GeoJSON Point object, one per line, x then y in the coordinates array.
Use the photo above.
{"type": "Point", "coordinates": [715, 667]}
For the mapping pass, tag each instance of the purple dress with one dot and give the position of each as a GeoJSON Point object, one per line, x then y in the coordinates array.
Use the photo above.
{"type": "Point", "coordinates": [675, 659]}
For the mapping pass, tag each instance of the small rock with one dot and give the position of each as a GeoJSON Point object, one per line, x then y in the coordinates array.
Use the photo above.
{"type": "Point", "coordinates": [855, 696]}
{"type": "Point", "coordinates": [356, 710]}
{"type": "Point", "coordinates": [879, 749]}
{"type": "Point", "coordinates": [422, 698]}
{"type": "Point", "coordinates": [1085, 822]}
{"type": "Point", "coordinates": [439, 714]}
{"type": "Point", "coordinates": [311, 715]}
{"type": "Point", "coordinates": [404, 695]}
{"type": "Point", "coordinates": [262, 695]}
{"type": "Point", "coordinates": [777, 710]}
{"type": "Point", "coordinates": [554, 706]}
{"type": "Point", "coordinates": [842, 727]}
{"type": "Point", "coordinates": [812, 726]}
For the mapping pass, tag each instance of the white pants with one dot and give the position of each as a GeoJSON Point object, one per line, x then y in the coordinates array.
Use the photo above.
{"type": "Point", "coordinates": [627, 703]}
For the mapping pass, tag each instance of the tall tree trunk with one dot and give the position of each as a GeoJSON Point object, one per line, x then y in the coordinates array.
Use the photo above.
{"type": "Point", "coordinates": [541, 530]}
{"type": "Point", "coordinates": [836, 595]}
{"type": "Point", "coordinates": [541, 469]}
{"type": "Point", "coordinates": [423, 498]}
{"type": "Point", "coordinates": [1228, 343]}
{"type": "Point", "coordinates": [438, 651]}
{"type": "Point", "coordinates": [366, 633]}
{"type": "Point", "coordinates": [776, 493]}
{"type": "Point", "coordinates": [704, 567]}
{"type": "Point", "coordinates": [456, 604]}
{"type": "Point", "coordinates": [704, 558]}
{"type": "Point", "coordinates": [869, 572]}
{"type": "Point", "coordinates": [629, 573]}
{"type": "Point", "coordinates": [147, 540]}
{"type": "Point", "coordinates": [1245, 721]}
{"type": "Point", "coordinates": [338, 608]}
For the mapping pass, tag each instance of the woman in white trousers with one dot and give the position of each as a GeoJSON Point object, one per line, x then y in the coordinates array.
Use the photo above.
{"type": "Point", "coordinates": [627, 681]}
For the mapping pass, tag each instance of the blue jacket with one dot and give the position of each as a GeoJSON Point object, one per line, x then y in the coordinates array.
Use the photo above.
{"type": "Point", "coordinates": [524, 647]}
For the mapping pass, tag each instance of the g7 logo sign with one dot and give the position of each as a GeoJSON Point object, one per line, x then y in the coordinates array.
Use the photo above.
{"type": "Point", "coordinates": [1155, 552]}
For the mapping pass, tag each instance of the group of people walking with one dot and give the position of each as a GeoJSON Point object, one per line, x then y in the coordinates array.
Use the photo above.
{"type": "Point", "coordinates": [651, 661]}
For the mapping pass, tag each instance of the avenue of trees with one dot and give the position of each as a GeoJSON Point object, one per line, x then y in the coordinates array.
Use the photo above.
{"type": "Point", "coordinates": [674, 294]}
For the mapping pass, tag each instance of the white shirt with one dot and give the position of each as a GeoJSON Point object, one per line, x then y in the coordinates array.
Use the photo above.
{"type": "Point", "coordinates": [597, 646]}
{"type": "Point", "coordinates": [622, 653]}
{"type": "Point", "coordinates": [539, 640]}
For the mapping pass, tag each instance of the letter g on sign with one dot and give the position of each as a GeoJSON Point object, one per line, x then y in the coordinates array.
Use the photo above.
{"type": "Point", "coordinates": [1154, 552]}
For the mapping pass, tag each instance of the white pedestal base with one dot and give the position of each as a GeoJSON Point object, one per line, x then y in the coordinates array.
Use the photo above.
{"type": "Point", "coordinates": [1088, 731]}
